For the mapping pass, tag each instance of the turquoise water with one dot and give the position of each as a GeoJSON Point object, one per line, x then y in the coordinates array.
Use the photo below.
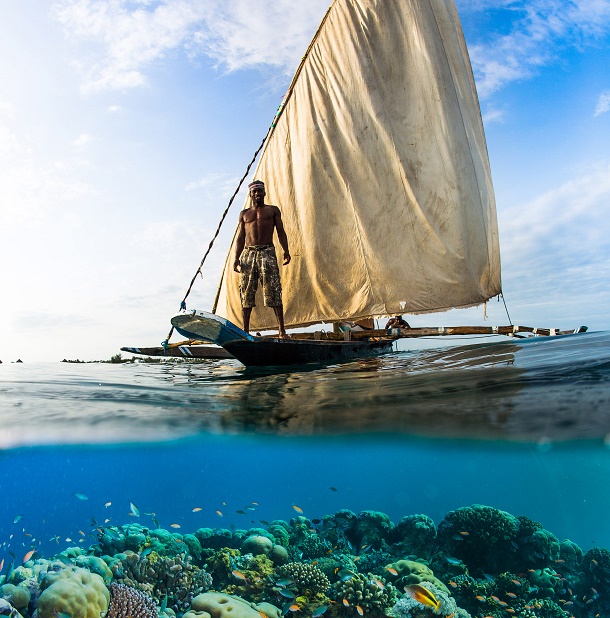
{"type": "Point", "coordinates": [522, 427]}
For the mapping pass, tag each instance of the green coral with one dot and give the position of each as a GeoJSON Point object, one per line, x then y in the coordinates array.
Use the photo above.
{"type": "Point", "coordinates": [411, 572]}
{"type": "Point", "coordinates": [369, 592]}
{"type": "Point", "coordinates": [482, 536]}
{"type": "Point", "coordinates": [307, 579]}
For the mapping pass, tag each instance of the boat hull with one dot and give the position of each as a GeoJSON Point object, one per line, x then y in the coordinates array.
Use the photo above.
{"type": "Point", "coordinates": [182, 351]}
{"type": "Point", "coordinates": [268, 351]}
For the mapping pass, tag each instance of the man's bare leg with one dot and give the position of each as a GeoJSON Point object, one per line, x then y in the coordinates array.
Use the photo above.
{"type": "Point", "coordinates": [246, 313]}
{"type": "Point", "coordinates": [279, 314]}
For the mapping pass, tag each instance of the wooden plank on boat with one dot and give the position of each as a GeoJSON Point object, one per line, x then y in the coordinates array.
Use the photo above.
{"type": "Point", "coordinates": [436, 331]}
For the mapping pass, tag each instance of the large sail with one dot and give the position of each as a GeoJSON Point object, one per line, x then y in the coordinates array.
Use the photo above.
{"type": "Point", "coordinates": [380, 169]}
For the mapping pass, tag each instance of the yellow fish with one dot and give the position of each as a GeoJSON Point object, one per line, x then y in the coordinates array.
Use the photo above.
{"type": "Point", "coordinates": [423, 595]}
{"type": "Point", "coordinates": [298, 509]}
{"type": "Point", "coordinates": [197, 509]}
{"type": "Point", "coordinates": [175, 525]}
{"type": "Point", "coordinates": [239, 575]}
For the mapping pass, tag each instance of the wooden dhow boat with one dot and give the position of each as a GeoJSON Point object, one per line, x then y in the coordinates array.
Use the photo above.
{"type": "Point", "coordinates": [378, 161]}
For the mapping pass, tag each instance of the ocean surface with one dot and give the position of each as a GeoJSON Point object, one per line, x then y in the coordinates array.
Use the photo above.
{"type": "Point", "coordinates": [518, 426]}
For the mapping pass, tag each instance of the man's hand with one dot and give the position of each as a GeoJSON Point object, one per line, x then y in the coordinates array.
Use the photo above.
{"type": "Point", "coordinates": [286, 258]}
{"type": "Point", "coordinates": [236, 266]}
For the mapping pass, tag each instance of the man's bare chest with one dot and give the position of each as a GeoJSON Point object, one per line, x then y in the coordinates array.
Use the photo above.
{"type": "Point", "coordinates": [258, 215]}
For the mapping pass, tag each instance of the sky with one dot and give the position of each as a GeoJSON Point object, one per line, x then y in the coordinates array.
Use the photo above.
{"type": "Point", "coordinates": [125, 126]}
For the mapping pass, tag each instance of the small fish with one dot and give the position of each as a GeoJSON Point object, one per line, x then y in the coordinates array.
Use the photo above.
{"type": "Point", "coordinates": [239, 575]}
{"type": "Point", "coordinates": [28, 555]}
{"type": "Point", "coordinates": [298, 509]}
{"type": "Point", "coordinates": [146, 551]}
{"type": "Point", "coordinates": [286, 581]}
{"type": "Point", "coordinates": [453, 584]}
{"type": "Point", "coordinates": [333, 489]}
{"type": "Point", "coordinates": [287, 593]}
{"type": "Point", "coordinates": [464, 533]}
{"type": "Point", "coordinates": [345, 575]}
{"type": "Point", "coordinates": [516, 582]}
{"type": "Point", "coordinates": [18, 517]}
{"type": "Point", "coordinates": [175, 525]}
{"type": "Point", "coordinates": [1, 565]}
{"type": "Point", "coordinates": [80, 496]}
{"type": "Point", "coordinates": [219, 513]}
{"type": "Point", "coordinates": [240, 512]}
{"type": "Point", "coordinates": [345, 602]}
{"type": "Point", "coordinates": [108, 504]}
{"type": "Point", "coordinates": [133, 510]}
{"type": "Point", "coordinates": [452, 560]}
{"type": "Point", "coordinates": [255, 503]}
{"type": "Point", "coordinates": [294, 608]}
{"type": "Point", "coordinates": [68, 539]}
{"type": "Point", "coordinates": [480, 598]}
{"type": "Point", "coordinates": [264, 522]}
{"type": "Point", "coordinates": [391, 570]}
{"type": "Point", "coordinates": [359, 610]}
{"type": "Point", "coordinates": [319, 611]}
{"type": "Point", "coordinates": [423, 595]}
{"type": "Point", "coordinates": [378, 583]}
{"type": "Point", "coordinates": [197, 509]}
{"type": "Point", "coordinates": [164, 604]}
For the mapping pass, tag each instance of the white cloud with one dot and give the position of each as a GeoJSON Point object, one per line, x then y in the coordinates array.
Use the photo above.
{"type": "Point", "coordinates": [541, 29]}
{"type": "Point", "coordinates": [558, 245]}
{"type": "Point", "coordinates": [493, 115]}
{"type": "Point", "coordinates": [82, 140]}
{"type": "Point", "coordinates": [603, 103]}
{"type": "Point", "coordinates": [130, 37]}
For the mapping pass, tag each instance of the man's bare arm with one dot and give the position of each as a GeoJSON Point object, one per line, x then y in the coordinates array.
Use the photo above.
{"type": "Point", "coordinates": [281, 234]}
{"type": "Point", "coordinates": [240, 243]}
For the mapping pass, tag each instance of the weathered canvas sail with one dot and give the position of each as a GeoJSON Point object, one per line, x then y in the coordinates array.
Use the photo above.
{"type": "Point", "coordinates": [379, 166]}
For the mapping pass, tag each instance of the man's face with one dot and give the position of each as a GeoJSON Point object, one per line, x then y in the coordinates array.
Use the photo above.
{"type": "Point", "coordinates": [257, 194]}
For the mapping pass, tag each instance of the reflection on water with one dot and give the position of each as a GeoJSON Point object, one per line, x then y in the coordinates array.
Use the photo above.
{"type": "Point", "coordinates": [551, 389]}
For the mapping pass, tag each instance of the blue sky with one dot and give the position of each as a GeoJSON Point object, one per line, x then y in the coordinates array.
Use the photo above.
{"type": "Point", "coordinates": [125, 126]}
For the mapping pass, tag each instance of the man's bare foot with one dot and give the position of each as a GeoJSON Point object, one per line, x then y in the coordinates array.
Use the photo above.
{"type": "Point", "coordinates": [283, 335]}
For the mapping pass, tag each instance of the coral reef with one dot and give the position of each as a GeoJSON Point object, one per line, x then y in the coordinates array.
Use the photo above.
{"type": "Point", "coordinates": [160, 576]}
{"type": "Point", "coordinates": [127, 602]}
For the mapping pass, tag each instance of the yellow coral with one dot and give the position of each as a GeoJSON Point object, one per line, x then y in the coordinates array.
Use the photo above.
{"type": "Point", "coordinates": [73, 591]}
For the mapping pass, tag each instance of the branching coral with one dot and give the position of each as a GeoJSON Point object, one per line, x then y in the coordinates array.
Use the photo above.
{"type": "Point", "coordinates": [158, 576]}
{"type": "Point", "coordinates": [127, 602]}
{"type": "Point", "coordinates": [307, 578]}
{"type": "Point", "coordinates": [368, 592]}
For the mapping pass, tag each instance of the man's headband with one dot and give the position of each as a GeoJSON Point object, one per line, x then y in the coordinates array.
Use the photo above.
{"type": "Point", "coordinates": [257, 184]}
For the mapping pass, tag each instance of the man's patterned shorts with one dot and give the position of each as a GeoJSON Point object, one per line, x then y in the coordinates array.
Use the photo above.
{"type": "Point", "coordinates": [258, 262]}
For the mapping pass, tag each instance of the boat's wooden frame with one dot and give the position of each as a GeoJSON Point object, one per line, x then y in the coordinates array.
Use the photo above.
{"type": "Point", "coordinates": [325, 347]}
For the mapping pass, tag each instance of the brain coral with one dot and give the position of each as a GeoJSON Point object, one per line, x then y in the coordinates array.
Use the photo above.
{"type": "Point", "coordinates": [219, 605]}
{"type": "Point", "coordinates": [73, 591]}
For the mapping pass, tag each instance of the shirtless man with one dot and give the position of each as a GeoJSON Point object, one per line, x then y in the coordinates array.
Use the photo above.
{"type": "Point", "coordinates": [255, 255]}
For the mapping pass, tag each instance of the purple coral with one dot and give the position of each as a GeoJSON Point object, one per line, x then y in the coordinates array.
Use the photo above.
{"type": "Point", "coordinates": [127, 602]}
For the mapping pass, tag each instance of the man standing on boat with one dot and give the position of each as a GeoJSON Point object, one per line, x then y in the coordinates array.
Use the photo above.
{"type": "Point", "coordinates": [255, 257]}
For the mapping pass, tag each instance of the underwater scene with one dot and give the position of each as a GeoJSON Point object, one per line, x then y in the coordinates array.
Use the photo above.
{"type": "Point", "coordinates": [469, 481]}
